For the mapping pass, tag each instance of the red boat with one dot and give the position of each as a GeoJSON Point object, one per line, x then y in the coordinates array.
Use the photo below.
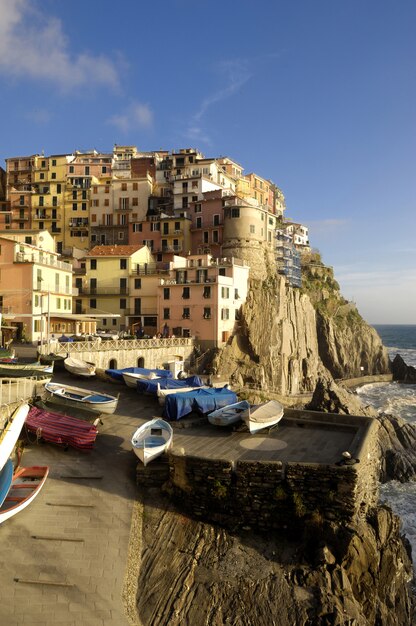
{"type": "Point", "coordinates": [61, 429]}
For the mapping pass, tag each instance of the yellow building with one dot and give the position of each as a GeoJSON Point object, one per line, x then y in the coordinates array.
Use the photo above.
{"type": "Point", "coordinates": [106, 286]}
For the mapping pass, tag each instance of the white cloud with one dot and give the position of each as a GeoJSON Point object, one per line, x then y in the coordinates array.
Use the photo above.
{"type": "Point", "coordinates": [34, 45]}
{"type": "Point", "coordinates": [136, 116]}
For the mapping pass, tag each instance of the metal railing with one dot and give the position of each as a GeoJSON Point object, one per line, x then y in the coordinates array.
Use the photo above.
{"type": "Point", "coordinates": [117, 344]}
{"type": "Point", "coordinates": [15, 389]}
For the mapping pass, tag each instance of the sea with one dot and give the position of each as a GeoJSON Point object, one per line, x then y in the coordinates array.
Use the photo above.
{"type": "Point", "coordinates": [397, 399]}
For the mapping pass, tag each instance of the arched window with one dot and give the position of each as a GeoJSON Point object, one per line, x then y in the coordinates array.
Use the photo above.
{"type": "Point", "coordinates": [140, 362]}
{"type": "Point", "coordinates": [113, 364]}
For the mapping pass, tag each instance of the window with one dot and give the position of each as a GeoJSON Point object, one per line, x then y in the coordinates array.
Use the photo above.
{"type": "Point", "coordinates": [42, 176]}
{"type": "Point", "coordinates": [135, 186]}
{"type": "Point", "coordinates": [186, 293]}
{"type": "Point", "coordinates": [104, 169]}
{"type": "Point", "coordinates": [216, 220]}
{"type": "Point", "coordinates": [54, 200]}
{"type": "Point", "coordinates": [93, 303]}
{"type": "Point", "coordinates": [93, 264]}
{"type": "Point", "coordinates": [53, 162]}
{"type": "Point", "coordinates": [124, 203]}
{"type": "Point", "coordinates": [252, 229]}
{"type": "Point", "coordinates": [137, 283]}
{"type": "Point", "coordinates": [235, 212]}
{"type": "Point", "coordinates": [95, 203]}
{"type": "Point", "coordinates": [123, 264]}
{"type": "Point", "coordinates": [84, 206]}
{"type": "Point", "coordinates": [135, 201]}
{"type": "Point", "coordinates": [74, 206]}
{"type": "Point", "coordinates": [137, 228]}
{"type": "Point", "coordinates": [106, 189]}
{"type": "Point", "coordinates": [205, 236]}
{"type": "Point", "coordinates": [59, 188]}
{"type": "Point", "coordinates": [21, 200]}
{"type": "Point", "coordinates": [87, 170]}
{"type": "Point", "coordinates": [84, 194]}
{"type": "Point", "coordinates": [106, 202]}
{"type": "Point", "coordinates": [236, 294]}
{"type": "Point", "coordinates": [41, 201]}
{"type": "Point", "coordinates": [53, 175]}
{"type": "Point", "coordinates": [122, 220]}
{"type": "Point", "coordinates": [215, 237]}
{"type": "Point", "coordinates": [37, 326]}
{"type": "Point", "coordinates": [207, 313]}
{"type": "Point", "coordinates": [166, 293]}
{"type": "Point", "coordinates": [225, 292]}
{"type": "Point", "coordinates": [207, 292]}
{"type": "Point", "coordinates": [198, 208]}
{"type": "Point", "coordinates": [221, 271]}
{"type": "Point", "coordinates": [123, 186]}
{"type": "Point", "coordinates": [166, 314]}
{"type": "Point", "coordinates": [71, 169]}
{"type": "Point", "coordinates": [186, 313]}
{"type": "Point", "coordinates": [199, 222]}
{"type": "Point", "coordinates": [225, 314]}
{"type": "Point", "coordinates": [114, 321]}
{"type": "Point", "coordinates": [166, 228]}
{"type": "Point", "coordinates": [120, 235]}
{"type": "Point", "coordinates": [123, 303]}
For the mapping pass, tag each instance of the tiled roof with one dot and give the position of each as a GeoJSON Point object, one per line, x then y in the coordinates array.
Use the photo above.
{"type": "Point", "coordinates": [114, 250]}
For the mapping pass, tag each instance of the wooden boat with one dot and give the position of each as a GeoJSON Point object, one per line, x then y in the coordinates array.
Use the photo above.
{"type": "Point", "coordinates": [26, 485]}
{"type": "Point", "coordinates": [229, 414]}
{"type": "Point", "coordinates": [263, 415]}
{"type": "Point", "coordinates": [6, 477]}
{"type": "Point", "coordinates": [139, 373]}
{"type": "Point", "coordinates": [11, 432]}
{"type": "Point", "coordinates": [22, 370]}
{"type": "Point", "coordinates": [81, 398]}
{"type": "Point", "coordinates": [57, 360]}
{"type": "Point", "coordinates": [77, 367]}
{"type": "Point", "coordinates": [61, 429]}
{"type": "Point", "coordinates": [152, 439]}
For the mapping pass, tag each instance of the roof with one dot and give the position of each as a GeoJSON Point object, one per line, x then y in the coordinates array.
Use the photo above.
{"type": "Point", "coordinates": [114, 250]}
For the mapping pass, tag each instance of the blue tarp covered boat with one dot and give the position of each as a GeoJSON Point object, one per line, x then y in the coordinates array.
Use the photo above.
{"type": "Point", "coordinates": [201, 400]}
{"type": "Point", "coordinates": [150, 386]}
{"type": "Point", "coordinates": [117, 374]}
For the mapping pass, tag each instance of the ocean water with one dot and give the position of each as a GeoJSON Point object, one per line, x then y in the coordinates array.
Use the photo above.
{"type": "Point", "coordinates": [399, 400]}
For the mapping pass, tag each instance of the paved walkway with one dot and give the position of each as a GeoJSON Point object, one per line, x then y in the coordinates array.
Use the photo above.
{"type": "Point", "coordinates": [73, 540]}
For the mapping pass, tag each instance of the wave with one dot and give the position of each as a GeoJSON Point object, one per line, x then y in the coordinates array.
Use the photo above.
{"type": "Point", "coordinates": [401, 498]}
{"type": "Point", "coordinates": [393, 398]}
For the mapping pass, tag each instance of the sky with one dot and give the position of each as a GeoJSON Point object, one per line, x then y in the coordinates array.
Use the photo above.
{"type": "Point", "coordinates": [318, 97]}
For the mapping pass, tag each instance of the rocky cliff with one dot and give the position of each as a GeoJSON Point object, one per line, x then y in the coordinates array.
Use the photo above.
{"type": "Point", "coordinates": [287, 337]}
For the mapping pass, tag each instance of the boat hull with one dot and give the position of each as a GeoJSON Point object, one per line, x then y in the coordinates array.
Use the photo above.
{"type": "Point", "coordinates": [20, 370]}
{"type": "Point", "coordinates": [228, 415]}
{"type": "Point", "coordinates": [6, 477]}
{"type": "Point", "coordinates": [11, 432]}
{"type": "Point", "coordinates": [76, 397]}
{"type": "Point", "coordinates": [26, 485]}
{"type": "Point", "coordinates": [263, 416]}
{"type": "Point", "coordinates": [79, 368]}
{"type": "Point", "coordinates": [151, 440]}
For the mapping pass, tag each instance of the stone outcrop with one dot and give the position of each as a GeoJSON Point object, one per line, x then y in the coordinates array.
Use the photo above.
{"type": "Point", "coordinates": [331, 398]}
{"type": "Point", "coordinates": [397, 440]}
{"type": "Point", "coordinates": [401, 372]}
{"type": "Point", "coordinates": [287, 338]}
{"type": "Point", "coordinates": [196, 573]}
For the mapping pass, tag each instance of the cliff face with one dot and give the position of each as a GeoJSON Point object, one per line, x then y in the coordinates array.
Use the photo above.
{"type": "Point", "coordinates": [286, 337]}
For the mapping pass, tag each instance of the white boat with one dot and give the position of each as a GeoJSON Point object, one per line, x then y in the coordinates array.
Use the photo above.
{"type": "Point", "coordinates": [11, 432]}
{"type": "Point", "coordinates": [229, 414]}
{"type": "Point", "coordinates": [81, 398]}
{"type": "Point", "coordinates": [263, 415]}
{"type": "Point", "coordinates": [152, 439]}
{"type": "Point", "coordinates": [130, 378]}
{"type": "Point", "coordinates": [79, 367]}
{"type": "Point", "coordinates": [162, 393]}
{"type": "Point", "coordinates": [26, 485]}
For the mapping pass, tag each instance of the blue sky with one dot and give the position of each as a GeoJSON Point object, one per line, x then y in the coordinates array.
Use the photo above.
{"type": "Point", "coordinates": [317, 96]}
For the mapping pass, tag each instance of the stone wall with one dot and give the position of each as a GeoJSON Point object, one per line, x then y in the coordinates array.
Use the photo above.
{"type": "Point", "coordinates": [277, 495]}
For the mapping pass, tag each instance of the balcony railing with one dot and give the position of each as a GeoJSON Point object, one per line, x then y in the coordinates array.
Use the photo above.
{"type": "Point", "coordinates": [105, 291]}
{"type": "Point", "coordinates": [22, 257]}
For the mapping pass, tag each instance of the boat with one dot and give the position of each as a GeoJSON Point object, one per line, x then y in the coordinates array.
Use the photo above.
{"type": "Point", "coordinates": [202, 401]}
{"type": "Point", "coordinates": [56, 359]}
{"type": "Point", "coordinates": [79, 368]}
{"type": "Point", "coordinates": [263, 415]}
{"type": "Point", "coordinates": [25, 370]}
{"type": "Point", "coordinates": [131, 378]}
{"type": "Point", "coordinates": [11, 432]}
{"type": "Point", "coordinates": [152, 439]}
{"type": "Point", "coordinates": [81, 398]}
{"type": "Point", "coordinates": [163, 392]}
{"type": "Point", "coordinates": [228, 415]}
{"type": "Point", "coordinates": [6, 477]}
{"type": "Point", "coordinates": [26, 485]}
{"type": "Point", "coordinates": [61, 429]}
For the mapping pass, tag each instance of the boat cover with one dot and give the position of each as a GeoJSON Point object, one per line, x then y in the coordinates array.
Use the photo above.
{"type": "Point", "coordinates": [202, 400]}
{"type": "Point", "coordinates": [61, 429]}
{"type": "Point", "coordinates": [150, 386]}
{"type": "Point", "coordinates": [118, 374]}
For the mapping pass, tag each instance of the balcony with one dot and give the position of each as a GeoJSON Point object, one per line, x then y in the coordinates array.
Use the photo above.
{"type": "Point", "coordinates": [40, 216]}
{"type": "Point", "coordinates": [79, 223]}
{"type": "Point", "coordinates": [122, 209]}
{"type": "Point", "coordinates": [22, 257]}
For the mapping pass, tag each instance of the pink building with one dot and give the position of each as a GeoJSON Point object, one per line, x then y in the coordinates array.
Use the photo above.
{"type": "Point", "coordinates": [202, 298]}
{"type": "Point", "coordinates": [207, 223]}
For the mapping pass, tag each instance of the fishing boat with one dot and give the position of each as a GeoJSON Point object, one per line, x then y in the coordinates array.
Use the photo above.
{"type": "Point", "coordinates": [61, 429]}
{"type": "Point", "coordinates": [152, 439]}
{"type": "Point", "coordinates": [263, 415]}
{"type": "Point", "coordinates": [131, 378]}
{"type": "Point", "coordinates": [21, 370]}
{"type": "Point", "coordinates": [77, 367]}
{"type": "Point", "coordinates": [81, 398]}
{"type": "Point", "coordinates": [11, 432]}
{"type": "Point", "coordinates": [6, 477]}
{"type": "Point", "coordinates": [228, 415]}
{"type": "Point", "coordinates": [56, 359]}
{"type": "Point", "coordinates": [26, 485]}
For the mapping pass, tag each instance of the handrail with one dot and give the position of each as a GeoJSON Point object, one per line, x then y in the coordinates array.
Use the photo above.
{"type": "Point", "coordinates": [111, 344]}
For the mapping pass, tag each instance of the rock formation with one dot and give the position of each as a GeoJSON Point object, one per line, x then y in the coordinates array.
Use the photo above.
{"type": "Point", "coordinates": [287, 337]}
{"type": "Point", "coordinates": [401, 372]}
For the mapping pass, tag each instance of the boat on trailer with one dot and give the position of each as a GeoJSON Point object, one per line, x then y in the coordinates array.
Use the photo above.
{"type": "Point", "coordinates": [81, 398]}
{"type": "Point", "coordinates": [26, 485]}
{"type": "Point", "coordinates": [77, 367]}
{"type": "Point", "coordinates": [152, 439]}
{"type": "Point", "coordinates": [263, 415]}
{"type": "Point", "coordinates": [227, 415]}
{"type": "Point", "coordinates": [11, 432]}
